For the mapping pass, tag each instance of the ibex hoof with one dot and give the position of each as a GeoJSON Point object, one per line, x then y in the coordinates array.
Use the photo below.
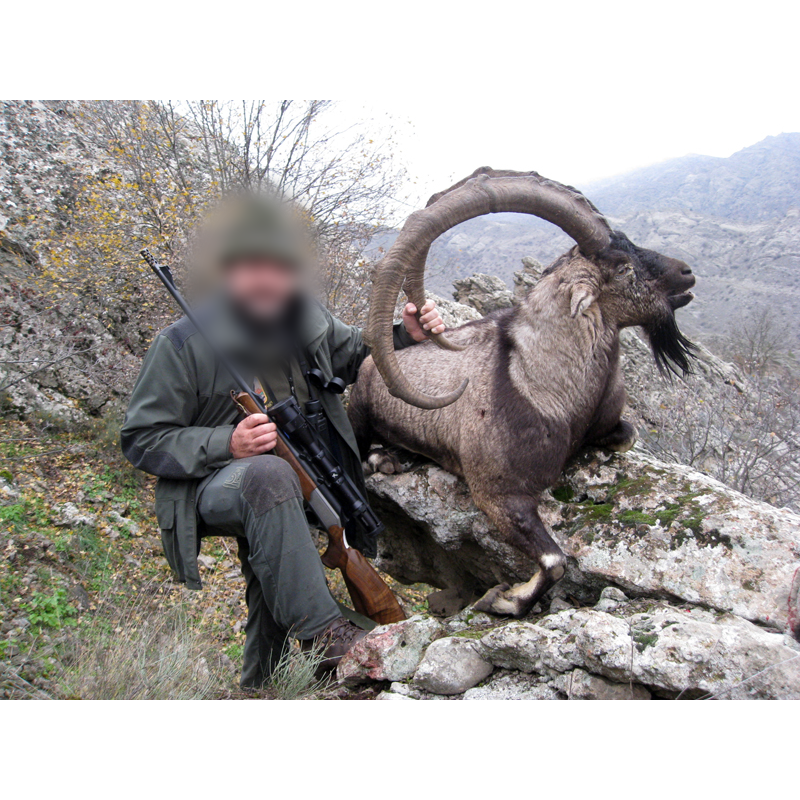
{"type": "Point", "coordinates": [499, 600]}
{"type": "Point", "coordinates": [383, 461]}
{"type": "Point", "coordinates": [621, 439]}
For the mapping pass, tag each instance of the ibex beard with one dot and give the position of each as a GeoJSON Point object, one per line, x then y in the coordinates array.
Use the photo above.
{"type": "Point", "coordinates": [544, 377]}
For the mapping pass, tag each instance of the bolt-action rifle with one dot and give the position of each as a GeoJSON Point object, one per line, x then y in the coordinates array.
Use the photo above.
{"type": "Point", "coordinates": [330, 492]}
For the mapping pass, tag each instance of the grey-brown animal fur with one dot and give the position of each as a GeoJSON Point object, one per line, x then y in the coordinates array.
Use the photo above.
{"type": "Point", "coordinates": [544, 381]}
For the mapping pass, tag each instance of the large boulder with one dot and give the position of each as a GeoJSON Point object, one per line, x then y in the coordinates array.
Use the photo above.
{"type": "Point", "coordinates": [485, 293]}
{"type": "Point", "coordinates": [390, 652]}
{"type": "Point", "coordinates": [654, 529]}
{"type": "Point", "coordinates": [451, 666]}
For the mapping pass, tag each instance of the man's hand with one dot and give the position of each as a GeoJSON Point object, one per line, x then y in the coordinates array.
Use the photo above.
{"type": "Point", "coordinates": [253, 436]}
{"type": "Point", "coordinates": [429, 317]}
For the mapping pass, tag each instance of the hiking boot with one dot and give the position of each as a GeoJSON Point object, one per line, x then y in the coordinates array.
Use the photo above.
{"type": "Point", "coordinates": [334, 642]}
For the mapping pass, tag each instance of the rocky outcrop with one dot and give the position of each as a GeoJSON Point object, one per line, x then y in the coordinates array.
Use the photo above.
{"type": "Point", "coordinates": [454, 314]}
{"type": "Point", "coordinates": [58, 355]}
{"type": "Point", "coordinates": [654, 529]}
{"type": "Point", "coordinates": [485, 293]}
{"type": "Point", "coordinates": [670, 651]}
{"type": "Point", "coordinates": [639, 650]}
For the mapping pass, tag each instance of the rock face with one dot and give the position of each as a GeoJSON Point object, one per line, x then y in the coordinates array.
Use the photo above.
{"type": "Point", "coordinates": [56, 352]}
{"type": "Point", "coordinates": [454, 314]}
{"type": "Point", "coordinates": [694, 587]}
{"type": "Point", "coordinates": [653, 529]}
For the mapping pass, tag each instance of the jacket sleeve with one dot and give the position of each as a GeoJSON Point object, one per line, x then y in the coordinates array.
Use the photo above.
{"type": "Point", "coordinates": [348, 350]}
{"type": "Point", "coordinates": [158, 434]}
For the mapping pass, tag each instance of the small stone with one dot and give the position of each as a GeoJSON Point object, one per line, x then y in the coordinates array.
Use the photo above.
{"type": "Point", "coordinates": [128, 525]}
{"type": "Point", "coordinates": [206, 561]}
{"type": "Point", "coordinates": [468, 618]}
{"type": "Point", "coordinates": [610, 599]}
{"type": "Point", "coordinates": [613, 593]}
{"type": "Point", "coordinates": [67, 515]}
{"type": "Point", "coordinates": [513, 686]}
{"type": "Point", "coordinates": [393, 696]}
{"type": "Point", "coordinates": [558, 604]}
{"type": "Point", "coordinates": [8, 492]}
{"type": "Point", "coordinates": [80, 597]}
{"type": "Point", "coordinates": [584, 686]}
{"type": "Point", "coordinates": [451, 666]}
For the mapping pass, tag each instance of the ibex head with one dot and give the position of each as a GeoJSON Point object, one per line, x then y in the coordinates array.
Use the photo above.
{"type": "Point", "coordinates": [643, 287]}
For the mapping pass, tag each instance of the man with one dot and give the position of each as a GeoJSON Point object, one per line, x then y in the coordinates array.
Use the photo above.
{"type": "Point", "coordinates": [216, 477]}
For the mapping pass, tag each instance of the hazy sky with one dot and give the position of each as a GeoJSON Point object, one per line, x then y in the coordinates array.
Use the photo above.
{"type": "Point", "coordinates": [580, 92]}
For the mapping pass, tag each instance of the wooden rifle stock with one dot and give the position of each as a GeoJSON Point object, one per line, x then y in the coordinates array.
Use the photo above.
{"type": "Point", "coordinates": [368, 591]}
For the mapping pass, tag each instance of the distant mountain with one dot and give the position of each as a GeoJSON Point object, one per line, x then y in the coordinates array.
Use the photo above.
{"type": "Point", "coordinates": [736, 220]}
{"type": "Point", "coordinates": [761, 182]}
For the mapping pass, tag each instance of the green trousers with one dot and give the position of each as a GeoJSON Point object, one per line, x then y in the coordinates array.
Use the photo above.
{"type": "Point", "coordinates": [258, 500]}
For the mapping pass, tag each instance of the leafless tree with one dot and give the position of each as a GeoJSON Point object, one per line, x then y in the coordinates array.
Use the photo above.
{"type": "Point", "coordinates": [755, 344]}
{"type": "Point", "coordinates": [748, 439]}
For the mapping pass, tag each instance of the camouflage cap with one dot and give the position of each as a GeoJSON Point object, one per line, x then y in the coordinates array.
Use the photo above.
{"type": "Point", "coordinates": [259, 226]}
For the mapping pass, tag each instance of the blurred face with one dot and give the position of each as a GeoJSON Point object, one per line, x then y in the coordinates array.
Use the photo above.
{"type": "Point", "coordinates": [263, 288]}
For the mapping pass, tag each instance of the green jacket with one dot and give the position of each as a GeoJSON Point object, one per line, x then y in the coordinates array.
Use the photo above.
{"type": "Point", "coordinates": [181, 418]}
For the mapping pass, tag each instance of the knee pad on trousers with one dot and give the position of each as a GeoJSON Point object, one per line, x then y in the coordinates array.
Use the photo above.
{"type": "Point", "coordinates": [269, 482]}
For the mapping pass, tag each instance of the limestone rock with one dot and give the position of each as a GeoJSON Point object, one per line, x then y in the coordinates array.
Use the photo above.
{"type": "Point", "coordinates": [390, 652]}
{"type": "Point", "coordinates": [130, 526]}
{"type": "Point", "coordinates": [68, 515]}
{"type": "Point", "coordinates": [393, 696]}
{"type": "Point", "coordinates": [451, 666]}
{"type": "Point", "coordinates": [413, 692]}
{"type": "Point", "coordinates": [513, 686]}
{"type": "Point", "coordinates": [469, 619]}
{"type": "Point", "coordinates": [584, 686]}
{"type": "Point", "coordinates": [610, 598]}
{"type": "Point", "coordinates": [8, 492]}
{"type": "Point", "coordinates": [672, 651]}
{"type": "Point", "coordinates": [527, 278]}
{"type": "Point", "coordinates": [654, 529]}
{"type": "Point", "coordinates": [454, 314]}
{"type": "Point", "coordinates": [209, 562]}
{"type": "Point", "coordinates": [485, 293]}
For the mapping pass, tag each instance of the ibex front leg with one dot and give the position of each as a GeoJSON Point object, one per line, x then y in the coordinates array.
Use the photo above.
{"type": "Point", "coordinates": [518, 519]}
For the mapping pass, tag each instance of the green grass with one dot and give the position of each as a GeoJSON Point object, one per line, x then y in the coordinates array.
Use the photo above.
{"type": "Point", "coordinates": [50, 610]}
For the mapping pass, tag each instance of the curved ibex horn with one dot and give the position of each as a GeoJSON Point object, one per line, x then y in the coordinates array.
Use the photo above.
{"type": "Point", "coordinates": [486, 191]}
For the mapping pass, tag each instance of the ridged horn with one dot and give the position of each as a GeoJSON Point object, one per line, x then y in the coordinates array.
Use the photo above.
{"type": "Point", "coordinates": [486, 191]}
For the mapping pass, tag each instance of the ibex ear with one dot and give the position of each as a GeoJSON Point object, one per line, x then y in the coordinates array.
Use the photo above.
{"type": "Point", "coordinates": [581, 298]}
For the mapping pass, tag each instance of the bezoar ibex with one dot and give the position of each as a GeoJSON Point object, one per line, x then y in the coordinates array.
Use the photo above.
{"type": "Point", "coordinates": [537, 382]}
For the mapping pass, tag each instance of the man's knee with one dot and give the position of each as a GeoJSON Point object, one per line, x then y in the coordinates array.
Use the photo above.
{"type": "Point", "coordinates": [269, 482]}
